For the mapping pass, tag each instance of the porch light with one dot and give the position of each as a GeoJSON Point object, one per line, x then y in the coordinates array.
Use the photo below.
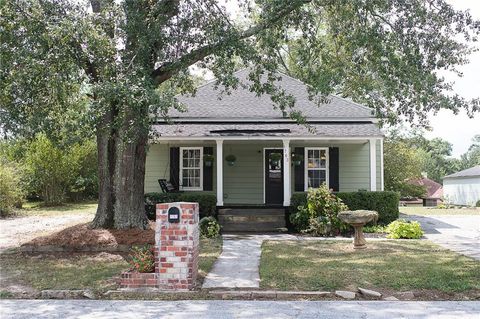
{"type": "Point", "coordinates": [231, 159]}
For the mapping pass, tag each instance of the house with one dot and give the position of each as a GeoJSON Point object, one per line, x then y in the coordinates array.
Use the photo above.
{"type": "Point", "coordinates": [434, 192]}
{"type": "Point", "coordinates": [463, 188]}
{"type": "Point", "coordinates": [259, 157]}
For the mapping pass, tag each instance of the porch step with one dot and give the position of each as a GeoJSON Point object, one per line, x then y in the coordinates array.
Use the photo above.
{"type": "Point", "coordinates": [251, 219]}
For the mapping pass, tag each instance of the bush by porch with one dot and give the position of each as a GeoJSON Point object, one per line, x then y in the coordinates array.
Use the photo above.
{"type": "Point", "coordinates": [383, 202]}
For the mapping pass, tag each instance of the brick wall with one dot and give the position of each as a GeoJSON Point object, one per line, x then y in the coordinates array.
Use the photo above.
{"type": "Point", "coordinates": [176, 252]}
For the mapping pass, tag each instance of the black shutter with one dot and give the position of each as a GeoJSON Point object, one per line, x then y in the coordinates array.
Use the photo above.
{"type": "Point", "coordinates": [175, 167]}
{"type": "Point", "coordinates": [207, 171]}
{"type": "Point", "coordinates": [333, 170]}
{"type": "Point", "coordinates": [299, 170]}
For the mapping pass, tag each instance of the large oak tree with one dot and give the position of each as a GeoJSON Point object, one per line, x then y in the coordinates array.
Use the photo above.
{"type": "Point", "coordinates": [130, 58]}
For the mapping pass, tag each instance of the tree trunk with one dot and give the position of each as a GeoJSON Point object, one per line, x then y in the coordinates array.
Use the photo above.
{"type": "Point", "coordinates": [121, 173]}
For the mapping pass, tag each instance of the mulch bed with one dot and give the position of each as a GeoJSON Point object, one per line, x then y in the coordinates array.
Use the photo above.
{"type": "Point", "coordinates": [81, 236]}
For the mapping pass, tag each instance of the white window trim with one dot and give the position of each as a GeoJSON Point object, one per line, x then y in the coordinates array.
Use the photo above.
{"type": "Point", "coordinates": [327, 165]}
{"type": "Point", "coordinates": [201, 169]}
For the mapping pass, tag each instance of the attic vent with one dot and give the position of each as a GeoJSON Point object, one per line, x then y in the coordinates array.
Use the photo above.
{"type": "Point", "coordinates": [250, 131]}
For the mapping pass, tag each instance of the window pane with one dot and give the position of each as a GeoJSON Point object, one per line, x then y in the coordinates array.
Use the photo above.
{"type": "Point", "coordinates": [323, 159]}
{"type": "Point", "coordinates": [316, 178]}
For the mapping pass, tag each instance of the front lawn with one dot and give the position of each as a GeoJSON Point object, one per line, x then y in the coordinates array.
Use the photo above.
{"type": "Point", "coordinates": [384, 265]}
{"type": "Point", "coordinates": [38, 209]}
{"type": "Point", "coordinates": [80, 270]}
{"type": "Point", "coordinates": [426, 211]}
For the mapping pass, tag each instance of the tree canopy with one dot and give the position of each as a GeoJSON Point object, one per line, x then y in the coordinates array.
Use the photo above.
{"type": "Point", "coordinates": [115, 55]}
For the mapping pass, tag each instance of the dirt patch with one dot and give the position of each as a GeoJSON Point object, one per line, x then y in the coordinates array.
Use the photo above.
{"type": "Point", "coordinates": [81, 235]}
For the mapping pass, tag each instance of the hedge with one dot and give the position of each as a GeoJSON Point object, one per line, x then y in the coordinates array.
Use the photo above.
{"type": "Point", "coordinates": [206, 201]}
{"type": "Point", "coordinates": [385, 203]}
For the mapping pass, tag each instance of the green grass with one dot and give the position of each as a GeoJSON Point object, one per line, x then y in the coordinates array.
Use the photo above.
{"type": "Point", "coordinates": [424, 211]}
{"type": "Point", "coordinates": [210, 249]}
{"type": "Point", "coordinates": [389, 265]}
{"type": "Point", "coordinates": [38, 209]}
{"type": "Point", "coordinates": [63, 271]}
{"type": "Point", "coordinates": [82, 270]}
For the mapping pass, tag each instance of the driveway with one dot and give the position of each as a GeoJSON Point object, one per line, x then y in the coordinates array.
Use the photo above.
{"type": "Point", "coordinates": [460, 233]}
{"type": "Point", "coordinates": [16, 231]}
{"type": "Point", "coordinates": [216, 309]}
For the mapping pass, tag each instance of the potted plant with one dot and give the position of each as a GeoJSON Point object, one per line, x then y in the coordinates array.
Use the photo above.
{"type": "Point", "coordinates": [297, 159]}
{"type": "Point", "coordinates": [208, 160]}
{"type": "Point", "coordinates": [275, 157]}
{"type": "Point", "coordinates": [231, 159]}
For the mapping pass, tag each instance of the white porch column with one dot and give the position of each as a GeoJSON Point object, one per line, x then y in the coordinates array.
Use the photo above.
{"type": "Point", "coordinates": [286, 173]}
{"type": "Point", "coordinates": [219, 172]}
{"type": "Point", "coordinates": [373, 164]}
{"type": "Point", "coordinates": [382, 175]}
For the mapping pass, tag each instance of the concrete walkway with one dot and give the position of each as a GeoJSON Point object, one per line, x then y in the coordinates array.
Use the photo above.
{"type": "Point", "coordinates": [237, 266]}
{"type": "Point", "coordinates": [458, 233]}
{"type": "Point", "coordinates": [216, 309]}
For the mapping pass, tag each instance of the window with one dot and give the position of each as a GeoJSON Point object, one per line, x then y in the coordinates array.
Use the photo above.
{"type": "Point", "coordinates": [191, 168]}
{"type": "Point", "coordinates": [316, 167]}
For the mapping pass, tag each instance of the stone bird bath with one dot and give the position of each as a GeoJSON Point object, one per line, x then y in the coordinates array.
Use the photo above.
{"type": "Point", "coordinates": [358, 218]}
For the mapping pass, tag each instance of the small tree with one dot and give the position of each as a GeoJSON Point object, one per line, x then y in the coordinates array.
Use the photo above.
{"type": "Point", "coordinates": [48, 170]}
{"type": "Point", "coordinates": [11, 193]}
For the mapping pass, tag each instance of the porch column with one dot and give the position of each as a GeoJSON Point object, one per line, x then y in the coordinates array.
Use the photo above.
{"type": "Point", "coordinates": [373, 164]}
{"type": "Point", "coordinates": [382, 175]}
{"type": "Point", "coordinates": [219, 172]}
{"type": "Point", "coordinates": [286, 173]}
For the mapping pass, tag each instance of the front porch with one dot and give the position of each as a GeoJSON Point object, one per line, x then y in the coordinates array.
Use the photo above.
{"type": "Point", "coordinates": [345, 164]}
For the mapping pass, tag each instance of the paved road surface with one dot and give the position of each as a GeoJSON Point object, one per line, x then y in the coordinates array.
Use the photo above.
{"type": "Point", "coordinates": [216, 309]}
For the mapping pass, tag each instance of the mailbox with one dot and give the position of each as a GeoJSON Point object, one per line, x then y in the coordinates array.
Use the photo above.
{"type": "Point", "coordinates": [173, 215]}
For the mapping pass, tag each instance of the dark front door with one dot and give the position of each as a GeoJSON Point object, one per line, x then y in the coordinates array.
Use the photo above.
{"type": "Point", "coordinates": [274, 177]}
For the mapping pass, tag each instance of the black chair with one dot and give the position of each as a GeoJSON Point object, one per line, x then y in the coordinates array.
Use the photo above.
{"type": "Point", "coordinates": [167, 187]}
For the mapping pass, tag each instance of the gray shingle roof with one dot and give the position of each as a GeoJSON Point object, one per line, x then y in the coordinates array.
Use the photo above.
{"type": "Point", "coordinates": [242, 103]}
{"type": "Point", "coordinates": [469, 172]}
{"type": "Point", "coordinates": [282, 130]}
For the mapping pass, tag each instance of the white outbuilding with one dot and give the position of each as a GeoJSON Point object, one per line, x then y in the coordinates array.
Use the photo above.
{"type": "Point", "coordinates": [463, 188]}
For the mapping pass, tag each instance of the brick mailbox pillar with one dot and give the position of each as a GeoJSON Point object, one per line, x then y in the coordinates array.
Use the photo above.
{"type": "Point", "coordinates": [176, 245]}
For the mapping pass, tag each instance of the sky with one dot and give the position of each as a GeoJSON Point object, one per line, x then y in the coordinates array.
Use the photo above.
{"type": "Point", "coordinates": [460, 129]}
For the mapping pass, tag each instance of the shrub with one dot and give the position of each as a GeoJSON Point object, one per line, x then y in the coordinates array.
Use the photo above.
{"type": "Point", "coordinates": [319, 215]}
{"type": "Point", "coordinates": [385, 203]}
{"type": "Point", "coordinates": [11, 192]}
{"type": "Point", "coordinates": [477, 204]}
{"type": "Point", "coordinates": [142, 259]}
{"type": "Point", "coordinates": [207, 202]}
{"type": "Point", "coordinates": [375, 229]}
{"type": "Point", "coordinates": [404, 229]}
{"type": "Point", "coordinates": [209, 227]}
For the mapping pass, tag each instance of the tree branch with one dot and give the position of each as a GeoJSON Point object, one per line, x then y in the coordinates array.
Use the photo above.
{"type": "Point", "coordinates": [167, 70]}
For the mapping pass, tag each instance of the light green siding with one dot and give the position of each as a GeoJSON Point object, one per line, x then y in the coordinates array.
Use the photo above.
{"type": "Point", "coordinates": [156, 166]}
{"type": "Point", "coordinates": [243, 182]}
{"type": "Point", "coordinates": [354, 167]}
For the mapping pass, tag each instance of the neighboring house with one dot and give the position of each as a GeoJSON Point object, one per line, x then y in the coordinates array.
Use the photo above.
{"type": "Point", "coordinates": [434, 192]}
{"type": "Point", "coordinates": [343, 149]}
{"type": "Point", "coordinates": [463, 188]}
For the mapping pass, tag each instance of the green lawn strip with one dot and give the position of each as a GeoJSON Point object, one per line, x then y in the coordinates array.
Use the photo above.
{"type": "Point", "coordinates": [65, 270]}
{"type": "Point", "coordinates": [83, 270]}
{"type": "Point", "coordinates": [424, 211]}
{"type": "Point", "coordinates": [389, 265]}
{"type": "Point", "coordinates": [37, 209]}
{"type": "Point", "coordinates": [210, 249]}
